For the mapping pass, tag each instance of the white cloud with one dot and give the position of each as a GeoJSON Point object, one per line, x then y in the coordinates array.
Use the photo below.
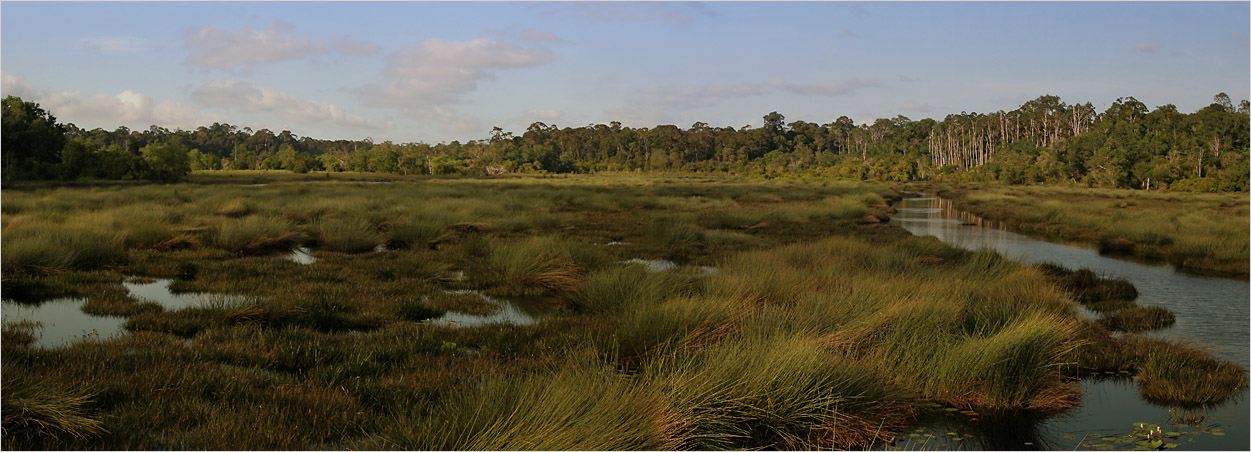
{"type": "Point", "coordinates": [530, 34]}
{"type": "Point", "coordinates": [214, 48]}
{"type": "Point", "coordinates": [235, 94]}
{"type": "Point", "coordinates": [348, 46]}
{"type": "Point", "coordinates": [123, 44]}
{"type": "Point", "coordinates": [12, 85]}
{"type": "Point", "coordinates": [435, 72]}
{"type": "Point", "coordinates": [130, 108]}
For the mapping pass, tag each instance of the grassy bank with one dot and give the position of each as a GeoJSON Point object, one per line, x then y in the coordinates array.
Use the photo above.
{"type": "Point", "coordinates": [1205, 232]}
{"type": "Point", "coordinates": [791, 317]}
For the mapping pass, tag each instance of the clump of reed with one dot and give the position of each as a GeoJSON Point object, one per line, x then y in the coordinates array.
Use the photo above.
{"type": "Point", "coordinates": [786, 392]}
{"type": "Point", "coordinates": [1181, 376]}
{"type": "Point", "coordinates": [673, 233]}
{"type": "Point", "coordinates": [251, 235]}
{"type": "Point", "coordinates": [678, 322]}
{"type": "Point", "coordinates": [1168, 372]}
{"type": "Point", "coordinates": [1087, 287]}
{"type": "Point", "coordinates": [52, 248]}
{"type": "Point", "coordinates": [612, 290]}
{"type": "Point", "coordinates": [1135, 319]}
{"type": "Point", "coordinates": [51, 408]}
{"type": "Point", "coordinates": [413, 232]}
{"type": "Point", "coordinates": [539, 265]}
{"type": "Point", "coordinates": [580, 407]}
{"type": "Point", "coordinates": [344, 234]}
{"type": "Point", "coordinates": [19, 333]}
{"type": "Point", "coordinates": [235, 208]}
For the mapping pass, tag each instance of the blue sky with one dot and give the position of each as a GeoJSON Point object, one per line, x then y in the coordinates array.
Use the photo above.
{"type": "Point", "coordinates": [434, 72]}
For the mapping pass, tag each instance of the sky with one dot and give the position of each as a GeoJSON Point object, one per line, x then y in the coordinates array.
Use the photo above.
{"type": "Point", "coordinates": [441, 71]}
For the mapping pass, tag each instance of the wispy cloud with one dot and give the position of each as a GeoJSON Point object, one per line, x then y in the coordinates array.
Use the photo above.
{"type": "Point", "coordinates": [348, 46]}
{"type": "Point", "coordinates": [435, 72]}
{"type": "Point", "coordinates": [630, 12]}
{"type": "Point", "coordinates": [114, 44]}
{"type": "Point", "coordinates": [239, 95]}
{"type": "Point", "coordinates": [531, 34]}
{"type": "Point", "coordinates": [212, 47]}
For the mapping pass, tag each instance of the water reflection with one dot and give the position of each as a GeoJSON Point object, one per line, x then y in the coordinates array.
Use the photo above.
{"type": "Point", "coordinates": [1212, 312]}
{"type": "Point", "coordinates": [508, 312]}
{"type": "Point", "coordinates": [158, 291]}
{"type": "Point", "coordinates": [660, 265]}
{"type": "Point", "coordinates": [62, 321]}
{"type": "Point", "coordinates": [301, 255]}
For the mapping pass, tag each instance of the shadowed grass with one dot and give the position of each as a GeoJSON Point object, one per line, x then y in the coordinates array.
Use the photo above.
{"type": "Point", "coordinates": [46, 408]}
{"type": "Point", "coordinates": [777, 392]}
{"type": "Point", "coordinates": [1135, 319]}
{"type": "Point", "coordinates": [581, 407]}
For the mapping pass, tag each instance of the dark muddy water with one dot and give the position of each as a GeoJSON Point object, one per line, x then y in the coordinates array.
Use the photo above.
{"type": "Point", "coordinates": [1211, 312]}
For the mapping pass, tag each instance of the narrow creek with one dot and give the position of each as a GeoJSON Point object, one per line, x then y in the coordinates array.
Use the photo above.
{"type": "Point", "coordinates": [1211, 312]}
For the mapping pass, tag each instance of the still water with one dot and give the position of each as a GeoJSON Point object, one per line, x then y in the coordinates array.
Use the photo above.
{"type": "Point", "coordinates": [1211, 312]}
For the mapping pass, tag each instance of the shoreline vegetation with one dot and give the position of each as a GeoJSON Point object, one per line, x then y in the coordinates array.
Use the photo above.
{"type": "Point", "coordinates": [788, 314]}
{"type": "Point", "coordinates": [1201, 232]}
{"type": "Point", "coordinates": [1044, 141]}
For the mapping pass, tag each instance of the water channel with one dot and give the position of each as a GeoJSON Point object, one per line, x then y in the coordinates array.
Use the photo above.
{"type": "Point", "coordinates": [1211, 312]}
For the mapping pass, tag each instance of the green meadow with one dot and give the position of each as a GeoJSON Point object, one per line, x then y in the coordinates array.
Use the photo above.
{"type": "Point", "coordinates": [572, 313]}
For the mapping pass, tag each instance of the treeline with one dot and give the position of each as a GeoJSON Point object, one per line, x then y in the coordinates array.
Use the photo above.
{"type": "Point", "coordinates": [1043, 141]}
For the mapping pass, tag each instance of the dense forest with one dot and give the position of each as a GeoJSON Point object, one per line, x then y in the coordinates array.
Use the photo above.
{"type": "Point", "coordinates": [1043, 141]}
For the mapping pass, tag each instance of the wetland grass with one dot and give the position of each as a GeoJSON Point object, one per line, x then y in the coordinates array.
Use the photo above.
{"type": "Point", "coordinates": [817, 331]}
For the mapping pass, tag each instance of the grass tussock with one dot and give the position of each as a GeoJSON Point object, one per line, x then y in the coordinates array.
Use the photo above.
{"type": "Point", "coordinates": [1087, 287]}
{"type": "Point", "coordinates": [540, 265]}
{"type": "Point", "coordinates": [344, 235]}
{"type": "Point", "coordinates": [784, 392]}
{"type": "Point", "coordinates": [577, 408]}
{"type": "Point", "coordinates": [1135, 319]}
{"type": "Point", "coordinates": [1183, 377]}
{"type": "Point", "coordinates": [46, 409]}
{"type": "Point", "coordinates": [50, 248]}
{"type": "Point", "coordinates": [252, 235]}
